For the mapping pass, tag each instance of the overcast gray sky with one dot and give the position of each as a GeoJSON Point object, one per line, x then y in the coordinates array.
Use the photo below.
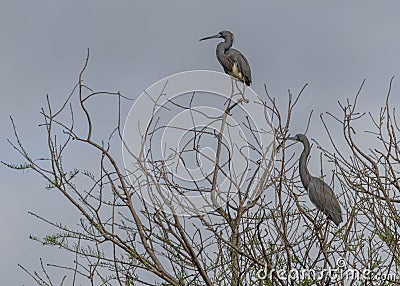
{"type": "Point", "coordinates": [332, 45]}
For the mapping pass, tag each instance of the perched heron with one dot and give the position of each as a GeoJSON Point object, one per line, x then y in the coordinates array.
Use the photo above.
{"type": "Point", "coordinates": [321, 195]}
{"type": "Point", "coordinates": [233, 61]}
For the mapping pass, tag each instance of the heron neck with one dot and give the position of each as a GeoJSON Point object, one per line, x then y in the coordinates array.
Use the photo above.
{"type": "Point", "coordinates": [304, 174]}
{"type": "Point", "coordinates": [224, 46]}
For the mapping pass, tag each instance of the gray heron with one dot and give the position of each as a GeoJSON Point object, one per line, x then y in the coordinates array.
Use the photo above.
{"type": "Point", "coordinates": [234, 62]}
{"type": "Point", "coordinates": [321, 195]}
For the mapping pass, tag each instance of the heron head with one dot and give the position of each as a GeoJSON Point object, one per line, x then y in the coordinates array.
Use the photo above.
{"type": "Point", "coordinates": [223, 34]}
{"type": "Point", "coordinates": [298, 137]}
{"type": "Point", "coordinates": [226, 35]}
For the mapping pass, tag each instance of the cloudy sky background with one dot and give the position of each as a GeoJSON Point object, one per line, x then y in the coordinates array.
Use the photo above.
{"type": "Point", "coordinates": [332, 45]}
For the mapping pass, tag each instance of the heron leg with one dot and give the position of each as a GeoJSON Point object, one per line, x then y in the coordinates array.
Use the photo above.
{"type": "Point", "coordinates": [241, 92]}
{"type": "Point", "coordinates": [316, 216]}
{"type": "Point", "coordinates": [245, 100]}
{"type": "Point", "coordinates": [232, 92]}
{"type": "Point", "coordinates": [228, 101]}
{"type": "Point", "coordinates": [327, 224]}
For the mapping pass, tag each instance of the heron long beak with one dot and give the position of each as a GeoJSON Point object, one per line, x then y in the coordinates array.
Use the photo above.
{"type": "Point", "coordinates": [211, 37]}
{"type": "Point", "coordinates": [291, 138]}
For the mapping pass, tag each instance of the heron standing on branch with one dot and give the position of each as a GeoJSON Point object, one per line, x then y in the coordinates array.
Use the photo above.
{"type": "Point", "coordinates": [321, 195]}
{"type": "Point", "coordinates": [234, 62]}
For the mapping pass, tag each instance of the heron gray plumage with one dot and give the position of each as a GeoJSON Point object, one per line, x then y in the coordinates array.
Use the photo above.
{"type": "Point", "coordinates": [321, 195]}
{"type": "Point", "coordinates": [234, 62]}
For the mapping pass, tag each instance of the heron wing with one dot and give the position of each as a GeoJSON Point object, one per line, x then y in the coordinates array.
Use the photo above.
{"type": "Point", "coordinates": [323, 197]}
{"type": "Point", "coordinates": [243, 65]}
